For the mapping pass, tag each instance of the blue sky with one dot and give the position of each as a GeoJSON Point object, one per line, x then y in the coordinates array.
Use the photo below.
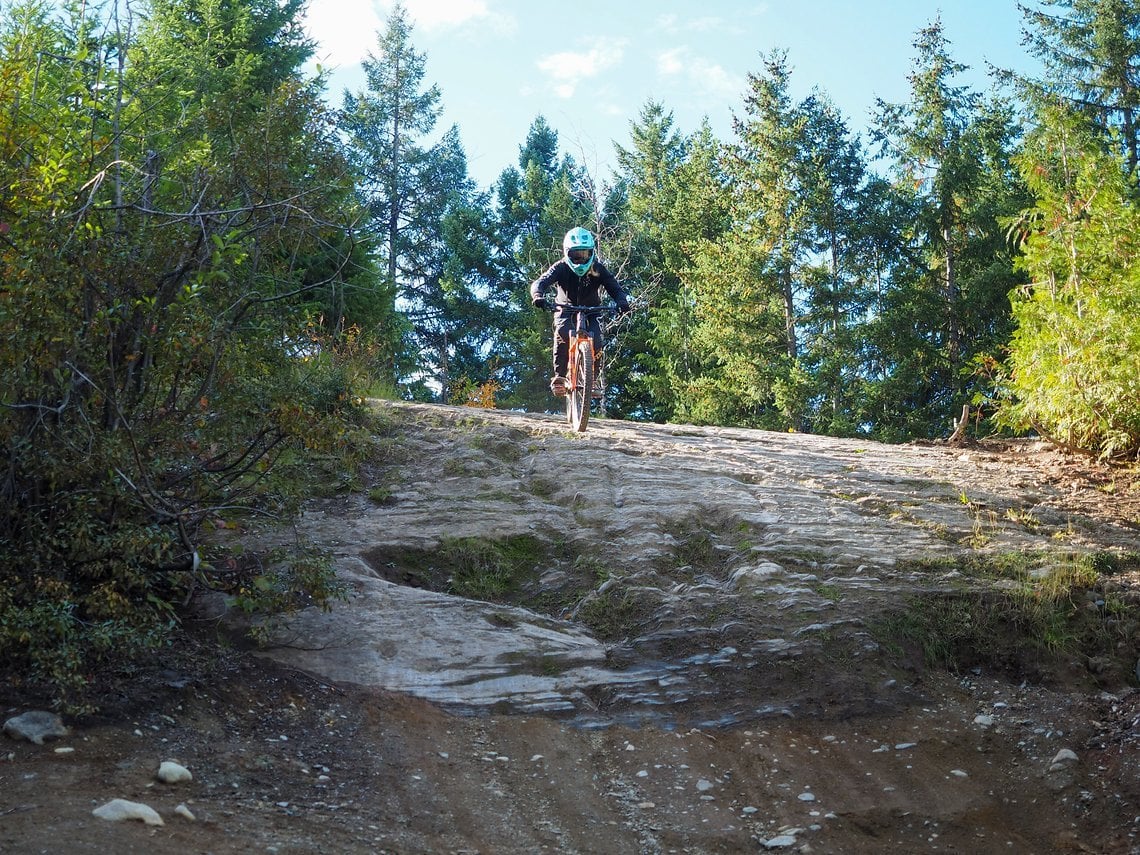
{"type": "Point", "coordinates": [590, 66]}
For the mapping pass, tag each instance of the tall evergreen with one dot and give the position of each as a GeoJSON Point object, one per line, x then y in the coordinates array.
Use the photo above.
{"type": "Point", "coordinates": [1088, 50]}
{"type": "Point", "coordinates": [950, 151]}
{"type": "Point", "coordinates": [650, 189]}
{"type": "Point", "coordinates": [410, 187]}
{"type": "Point", "coordinates": [828, 383]}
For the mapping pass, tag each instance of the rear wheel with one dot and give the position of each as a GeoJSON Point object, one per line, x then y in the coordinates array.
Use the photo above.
{"type": "Point", "coordinates": [581, 386]}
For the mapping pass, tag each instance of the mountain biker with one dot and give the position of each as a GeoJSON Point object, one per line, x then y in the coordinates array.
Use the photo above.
{"type": "Point", "coordinates": [578, 278]}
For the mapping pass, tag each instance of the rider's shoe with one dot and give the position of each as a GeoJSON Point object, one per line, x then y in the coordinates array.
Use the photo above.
{"type": "Point", "coordinates": [558, 385]}
{"type": "Point", "coordinates": [599, 390]}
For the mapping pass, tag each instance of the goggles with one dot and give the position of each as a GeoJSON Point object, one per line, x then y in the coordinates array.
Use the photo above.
{"type": "Point", "coordinates": [580, 256]}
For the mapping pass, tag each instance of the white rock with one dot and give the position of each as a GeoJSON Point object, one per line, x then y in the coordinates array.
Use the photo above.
{"type": "Point", "coordinates": [903, 746]}
{"type": "Point", "coordinates": [704, 786]}
{"type": "Point", "coordinates": [806, 797]}
{"type": "Point", "coordinates": [958, 773]}
{"type": "Point", "coordinates": [780, 842]}
{"type": "Point", "coordinates": [184, 812]}
{"type": "Point", "coordinates": [750, 810]}
{"type": "Point", "coordinates": [1063, 756]}
{"type": "Point", "coordinates": [984, 720]}
{"type": "Point", "coordinates": [170, 772]}
{"type": "Point", "coordinates": [35, 726]}
{"type": "Point", "coordinates": [117, 810]}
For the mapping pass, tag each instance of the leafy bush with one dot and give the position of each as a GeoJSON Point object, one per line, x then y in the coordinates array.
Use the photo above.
{"type": "Point", "coordinates": [1075, 356]}
{"type": "Point", "coordinates": [151, 285]}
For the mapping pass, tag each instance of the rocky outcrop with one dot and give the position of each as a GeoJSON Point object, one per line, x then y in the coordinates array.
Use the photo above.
{"type": "Point", "coordinates": [658, 570]}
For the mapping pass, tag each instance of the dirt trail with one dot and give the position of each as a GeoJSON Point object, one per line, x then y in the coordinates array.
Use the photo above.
{"type": "Point", "coordinates": [685, 654]}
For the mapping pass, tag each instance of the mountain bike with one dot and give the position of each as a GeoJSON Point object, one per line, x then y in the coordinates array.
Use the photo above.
{"type": "Point", "coordinates": [583, 364]}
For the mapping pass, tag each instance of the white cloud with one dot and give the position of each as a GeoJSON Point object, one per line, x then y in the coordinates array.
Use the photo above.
{"type": "Point", "coordinates": [568, 69]}
{"type": "Point", "coordinates": [345, 30]}
{"type": "Point", "coordinates": [676, 24]}
{"type": "Point", "coordinates": [710, 78]}
{"type": "Point", "coordinates": [671, 62]}
{"type": "Point", "coordinates": [441, 14]}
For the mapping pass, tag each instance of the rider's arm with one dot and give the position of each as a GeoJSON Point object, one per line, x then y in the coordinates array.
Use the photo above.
{"type": "Point", "coordinates": [612, 286]}
{"type": "Point", "coordinates": [543, 283]}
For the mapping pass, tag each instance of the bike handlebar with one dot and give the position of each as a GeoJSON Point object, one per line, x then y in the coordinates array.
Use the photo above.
{"type": "Point", "coordinates": [554, 307]}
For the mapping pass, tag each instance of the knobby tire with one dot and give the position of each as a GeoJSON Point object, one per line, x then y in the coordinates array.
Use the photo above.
{"type": "Point", "coordinates": [581, 387]}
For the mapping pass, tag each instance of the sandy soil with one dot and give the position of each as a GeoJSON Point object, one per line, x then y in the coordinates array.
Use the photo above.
{"type": "Point", "coordinates": [284, 763]}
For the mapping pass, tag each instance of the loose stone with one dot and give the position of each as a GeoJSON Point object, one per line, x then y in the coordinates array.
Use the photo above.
{"type": "Point", "coordinates": [118, 810]}
{"type": "Point", "coordinates": [36, 726]}
{"type": "Point", "coordinates": [184, 812]}
{"type": "Point", "coordinates": [170, 772]}
{"type": "Point", "coordinates": [784, 840]}
{"type": "Point", "coordinates": [1063, 758]}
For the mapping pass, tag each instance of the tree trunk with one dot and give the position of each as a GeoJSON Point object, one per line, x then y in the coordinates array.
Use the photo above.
{"type": "Point", "coordinates": [953, 328]}
{"type": "Point", "coordinates": [789, 311]}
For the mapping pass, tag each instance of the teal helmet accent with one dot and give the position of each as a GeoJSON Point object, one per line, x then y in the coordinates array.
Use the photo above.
{"type": "Point", "coordinates": [579, 241]}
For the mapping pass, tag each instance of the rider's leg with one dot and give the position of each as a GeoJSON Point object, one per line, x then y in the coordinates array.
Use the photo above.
{"type": "Point", "coordinates": [561, 353]}
{"type": "Point", "coordinates": [596, 335]}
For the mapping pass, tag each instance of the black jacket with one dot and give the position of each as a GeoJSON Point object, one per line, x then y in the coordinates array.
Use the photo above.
{"type": "Point", "coordinates": [575, 290]}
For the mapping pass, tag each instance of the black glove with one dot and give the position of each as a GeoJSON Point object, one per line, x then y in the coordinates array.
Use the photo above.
{"type": "Point", "coordinates": [540, 303]}
{"type": "Point", "coordinates": [623, 310]}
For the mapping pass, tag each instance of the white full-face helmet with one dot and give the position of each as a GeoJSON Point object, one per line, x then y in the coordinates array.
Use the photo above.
{"type": "Point", "coordinates": [578, 250]}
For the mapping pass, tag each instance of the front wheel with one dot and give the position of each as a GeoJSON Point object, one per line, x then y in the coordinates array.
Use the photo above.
{"type": "Point", "coordinates": [581, 386]}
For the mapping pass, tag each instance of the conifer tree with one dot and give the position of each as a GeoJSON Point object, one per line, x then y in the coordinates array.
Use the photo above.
{"type": "Point", "coordinates": [410, 188]}
{"type": "Point", "coordinates": [1088, 50]}
{"type": "Point", "coordinates": [950, 152]}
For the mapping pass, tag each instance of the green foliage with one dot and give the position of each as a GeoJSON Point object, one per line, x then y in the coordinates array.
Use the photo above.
{"type": "Point", "coordinates": [617, 613]}
{"type": "Point", "coordinates": [420, 204]}
{"type": "Point", "coordinates": [1088, 50]}
{"type": "Point", "coordinates": [488, 570]}
{"type": "Point", "coordinates": [1075, 356]}
{"type": "Point", "coordinates": [945, 310]}
{"type": "Point", "coordinates": [1038, 608]}
{"type": "Point", "coordinates": [291, 579]}
{"type": "Point", "coordinates": [153, 306]}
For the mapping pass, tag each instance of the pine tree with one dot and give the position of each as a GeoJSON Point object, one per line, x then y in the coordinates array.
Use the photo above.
{"type": "Point", "coordinates": [409, 188]}
{"type": "Point", "coordinates": [1089, 50]}
{"type": "Point", "coordinates": [951, 154]}
{"type": "Point", "coordinates": [648, 194]}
